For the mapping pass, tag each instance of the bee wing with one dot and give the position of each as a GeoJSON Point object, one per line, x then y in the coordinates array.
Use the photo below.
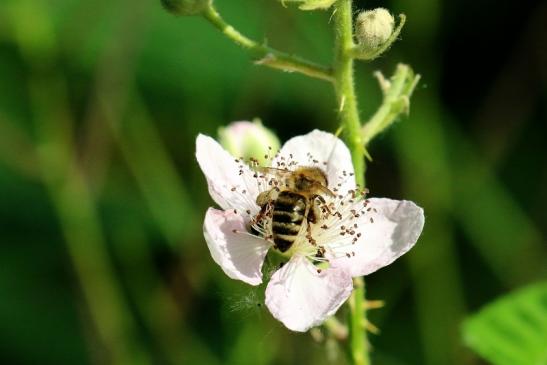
{"type": "Point", "coordinates": [273, 171]}
{"type": "Point", "coordinates": [324, 189]}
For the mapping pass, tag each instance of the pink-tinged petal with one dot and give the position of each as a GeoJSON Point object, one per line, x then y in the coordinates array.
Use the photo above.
{"type": "Point", "coordinates": [387, 229]}
{"type": "Point", "coordinates": [238, 253]}
{"type": "Point", "coordinates": [323, 150]}
{"type": "Point", "coordinates": [301, 298]}
{"type": "Point", "coordinates": [231, 184]}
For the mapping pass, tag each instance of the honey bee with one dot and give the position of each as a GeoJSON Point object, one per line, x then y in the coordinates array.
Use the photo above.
{"type": "Point", "coordinates": [297, 198]}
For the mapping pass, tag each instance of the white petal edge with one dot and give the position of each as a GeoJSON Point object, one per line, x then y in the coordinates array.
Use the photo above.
{"type": "Point", "coordinates": [301, 298]}
{"type": "Point", "coordinates": [238, 253]}
{"type": "Point", "coordinates": [389, 230]}
{"type": "Point", "coordinates": [231, 184]}
{"type": "Point", "coordinates": [321, 147]}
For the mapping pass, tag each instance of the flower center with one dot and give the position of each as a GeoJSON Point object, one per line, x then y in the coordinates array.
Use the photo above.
{"type": "Point", "coordinates": [301, 213]}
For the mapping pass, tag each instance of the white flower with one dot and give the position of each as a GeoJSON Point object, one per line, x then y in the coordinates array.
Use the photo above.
{"type": "Point", "coordinates": [355, 237]}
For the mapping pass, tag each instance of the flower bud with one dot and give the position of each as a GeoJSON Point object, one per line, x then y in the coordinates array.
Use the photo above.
{"type": "Point", "coordinates": [373, 27]}
{"type": "Point", "coordinates": [249, 139]}
{"type": "Point", "coordinates": [185, 7]}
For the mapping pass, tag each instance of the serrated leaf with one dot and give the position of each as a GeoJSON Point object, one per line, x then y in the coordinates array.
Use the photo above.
{"type": "Point", "coordinates": [511, 330]}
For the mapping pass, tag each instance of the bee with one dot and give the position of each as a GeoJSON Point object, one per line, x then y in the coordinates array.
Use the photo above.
{"type": "Point", "coordinates": [298, 198]}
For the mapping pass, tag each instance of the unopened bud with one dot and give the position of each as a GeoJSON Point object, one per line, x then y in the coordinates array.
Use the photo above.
{"type": "Point", "coordinates": [249, 139]}
{"type": "Point", "coordinates": [185, 7]}
{"type": "Point", "coordinates": [374, 27]}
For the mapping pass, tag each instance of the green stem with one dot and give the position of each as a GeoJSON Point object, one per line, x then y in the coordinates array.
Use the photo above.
{"type": "Point", "coordinates": [349, 117]}
{"type": "Point", "coordinates": [359, 346]}
{"type": "Point", "coordinates": [344, 85]}
{"type": "Point", "coordinates": [267, 56]}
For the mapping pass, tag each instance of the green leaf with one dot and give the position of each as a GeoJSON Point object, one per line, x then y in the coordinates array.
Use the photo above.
{"type": "Point", "coordinates": [511, 330]}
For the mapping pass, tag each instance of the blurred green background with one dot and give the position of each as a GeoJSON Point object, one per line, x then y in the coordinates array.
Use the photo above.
{"type": "Point", "coordinates": [102, 258]}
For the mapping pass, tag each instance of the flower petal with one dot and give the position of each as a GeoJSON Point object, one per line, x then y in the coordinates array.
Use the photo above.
{"type": "Point", "coordinates": [231, 183]}
{"type": "Point", "coordinates": [301, 298]}
{"type": "Point", "coordinates": [323, 150]}
{"type": "Point", "coordinates": [238, 253]}
{"type": "Point", "coordinates": [388, 229]}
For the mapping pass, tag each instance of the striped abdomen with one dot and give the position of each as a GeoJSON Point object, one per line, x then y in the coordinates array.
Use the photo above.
{"type": "Point", "coordinates": [288, 213]}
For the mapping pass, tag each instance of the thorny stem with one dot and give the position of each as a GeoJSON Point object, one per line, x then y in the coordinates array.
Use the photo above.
{"type": "Point", "coordinates": [349, 117]}
{"type": "Point", "coordinates": [267, 56]}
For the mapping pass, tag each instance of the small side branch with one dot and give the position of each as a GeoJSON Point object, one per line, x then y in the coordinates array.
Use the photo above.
{"type": "Point", "coordinates": [397, 92]}
{"type": "Point", "coordinates": [267, 56]}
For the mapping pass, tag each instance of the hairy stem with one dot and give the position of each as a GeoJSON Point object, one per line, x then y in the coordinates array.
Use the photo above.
{"type": "Point", "coordinates": [344, 86]}
{"type": "Point", "coordinates": [267, 56]}
{"type": "Point", "coordinates": [349, 117]}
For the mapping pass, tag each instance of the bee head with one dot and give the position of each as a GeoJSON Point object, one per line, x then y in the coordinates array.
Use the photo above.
{"type": "Point", "coordinates": [309, 179]}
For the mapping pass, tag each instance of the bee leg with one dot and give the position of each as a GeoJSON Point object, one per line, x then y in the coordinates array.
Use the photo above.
{"type": "Point", "coordinates": [322, 206]}
{"type": "Point", "coordinates": [311, 218]}
{"type": "Point", "coordinates": [321, 199]}
{"type": "Point", "coordinates": [316, 211]}
{"type": "Point", "coordinates": [262, 215]}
